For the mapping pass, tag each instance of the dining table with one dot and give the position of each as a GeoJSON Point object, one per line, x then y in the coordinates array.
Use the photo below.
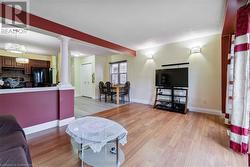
{"type": "Point", "coordinates": [117, 89]}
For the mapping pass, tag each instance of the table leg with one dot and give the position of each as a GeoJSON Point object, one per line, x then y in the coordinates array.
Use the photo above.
{"type": "Point", "coordinates": [117, 152]}
{"type": "Point", "coordinates": [117, 95]}
{"type": "Point", "coordinates": [82, 163]}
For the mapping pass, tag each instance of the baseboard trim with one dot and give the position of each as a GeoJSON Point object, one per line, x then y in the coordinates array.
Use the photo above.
{"type": "Point", "coordinates": [77, 95]}
{"type": "Point", "coordinates": [40, 127]}
{"type": "Point", "coordinates": [192, 109]}
{"type": "Point", "coordinates": [47, 125]}
{"type": "Point", "coordinates": [142, 101]}
{"type": "Point", "coordinates": [205, 110]}
{"type": "Point", "coordinates": [65, 121]}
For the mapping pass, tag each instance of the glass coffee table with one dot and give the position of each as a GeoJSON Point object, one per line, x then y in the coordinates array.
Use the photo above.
{"type": "Point", "coordinates": [97, 141]}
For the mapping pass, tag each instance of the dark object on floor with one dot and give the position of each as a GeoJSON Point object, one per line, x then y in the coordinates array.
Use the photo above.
{"type": "Point", "coordinates": [14, 150]}
{"type": "Point", "coordinates": [113, 150]}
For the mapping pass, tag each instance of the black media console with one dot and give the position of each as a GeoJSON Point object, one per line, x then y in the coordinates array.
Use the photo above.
{"type": "Point", "coordinates": [172, 99]}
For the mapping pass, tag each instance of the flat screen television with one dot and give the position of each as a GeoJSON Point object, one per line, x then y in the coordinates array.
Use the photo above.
{"type": "Point", "coordinates": [40, 76]}
{"type": "Point", "coordinates": [176, 77]}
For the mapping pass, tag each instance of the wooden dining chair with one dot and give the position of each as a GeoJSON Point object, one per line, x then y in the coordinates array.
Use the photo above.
{"type": "Point", "coordinates": [109, 91]}
{"type": "Point", "coordinates": [126, 91]}
{"type": "Point", "coordinates": [102, 90]}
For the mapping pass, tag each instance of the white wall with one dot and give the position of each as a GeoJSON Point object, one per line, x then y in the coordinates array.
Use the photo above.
{"type": "Point", "coordinates": [204, 71]}
{"type": "Point", "coordinates": [76, 63]}
{"type": "Point", "coordinates": [101, 72]}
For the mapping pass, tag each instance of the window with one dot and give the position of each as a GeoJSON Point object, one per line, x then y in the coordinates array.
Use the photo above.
{"type": "Point", "coordinates": [118, 72]}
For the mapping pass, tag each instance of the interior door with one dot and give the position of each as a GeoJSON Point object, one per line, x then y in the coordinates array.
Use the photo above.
{"type": "Point", "coordinates": [86, 80]}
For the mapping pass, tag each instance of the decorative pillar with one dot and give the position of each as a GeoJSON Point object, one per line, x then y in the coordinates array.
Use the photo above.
{"type": "Point", "coordinates": [66, 91]}
{"type": "Point", "coordinates": [64, 50]}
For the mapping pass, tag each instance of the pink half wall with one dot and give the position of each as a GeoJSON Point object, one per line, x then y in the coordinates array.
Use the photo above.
{"type": "Point", "coordinates": [66, 104]}
{"type": "Point", "coordinates": [33, 108]}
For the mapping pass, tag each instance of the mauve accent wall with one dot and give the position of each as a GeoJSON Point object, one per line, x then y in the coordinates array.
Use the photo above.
{"type": "Point", "coordinates": [33, 108]}
{"type": "Point", "coordinates": [30, 108]}
{"type": "Point", "coordinates": [66, 104]}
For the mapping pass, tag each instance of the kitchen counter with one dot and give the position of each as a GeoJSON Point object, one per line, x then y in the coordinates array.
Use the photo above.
{"type": "Point", "coordinates": [26, 90]}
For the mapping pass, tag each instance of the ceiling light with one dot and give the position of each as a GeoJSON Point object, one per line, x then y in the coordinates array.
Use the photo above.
{"type": "Point", "coordinates": [196, 49]}
{"type": "Point", "coordinates": [15, 51]}
{"type": "Point", "coordinates": [18, 49]}
{"type": "Point", "coordinates": [15, 48]}
{"type": "Point", "coordinates": [77, 54]}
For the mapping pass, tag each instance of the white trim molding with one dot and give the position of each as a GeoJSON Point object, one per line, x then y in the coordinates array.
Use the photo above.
{"type": "Point", "coordinates": [40, 127]}
{"type": "Point", "coordinates": [65, 121]}
{"type": "Point", "coordinates": [205, 110]}
{"type": "Point", "coordinates": [47, 125]}
{"type": "Point", "coordinates": [142, 101]}
{"type": "Point", "coordinates": [28, 90]}
{"type": "Point", "coordinates": [65, 87]}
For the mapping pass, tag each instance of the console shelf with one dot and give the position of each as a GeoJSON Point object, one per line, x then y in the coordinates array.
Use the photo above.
{"type": "Point", "coordinates": [172, 99]}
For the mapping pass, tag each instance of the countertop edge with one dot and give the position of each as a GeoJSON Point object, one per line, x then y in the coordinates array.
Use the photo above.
{"type": "Point", "coordinates": [27, 90]}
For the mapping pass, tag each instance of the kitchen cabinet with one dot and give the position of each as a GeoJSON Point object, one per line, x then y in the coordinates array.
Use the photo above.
{"type": "Point", "coordinates": [8, 62]}
{"type": "Point", "coordinates": [27, 69]}
{"type": "Point", "coordinates": [39, 63]}
{"type": "Point", "coordinates": [1, 64]}
{"type": "Point", "coordinates": [18, 65]}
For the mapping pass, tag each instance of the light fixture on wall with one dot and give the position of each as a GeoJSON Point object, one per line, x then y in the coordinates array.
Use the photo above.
{"type": "Point", "coordinates": [149, 55]}
{"type": "Point", "coordinates": [196, 49]}
{"type": "Point", "coordinates": [22, 60]}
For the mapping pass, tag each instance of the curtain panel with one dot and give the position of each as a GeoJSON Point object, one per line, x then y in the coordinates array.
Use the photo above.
{"type": "Point", "coordinates": [230, 83]}
{"type": "Point", "coordinates": [238, 84]}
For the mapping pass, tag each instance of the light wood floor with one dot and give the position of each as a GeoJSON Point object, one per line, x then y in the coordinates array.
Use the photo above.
{"type": "Point", "coordinates": [156, 139]}
{"type": "Point", "coordinates": [87, 106]}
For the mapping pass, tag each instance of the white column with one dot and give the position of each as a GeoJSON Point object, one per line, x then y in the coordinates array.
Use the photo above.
{"type": "Point", "coordinates": [64, 49]}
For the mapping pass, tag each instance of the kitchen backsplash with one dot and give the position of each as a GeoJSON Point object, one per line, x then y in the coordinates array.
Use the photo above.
{"type": "Point", "coordinates": [10, 73]}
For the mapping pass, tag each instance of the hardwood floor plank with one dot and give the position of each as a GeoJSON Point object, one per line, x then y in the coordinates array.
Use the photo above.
{"type": "Point", "coordinates": [156, 138]}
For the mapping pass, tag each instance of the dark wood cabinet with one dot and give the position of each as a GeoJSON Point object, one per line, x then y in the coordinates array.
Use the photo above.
{"type": "Point", "coordinates": [18, 65]}
{"type": "Point", "coordinates": [39, 63]}
{"type": "Point", "coordinates": [8, 62]}
{"type": "Point", "coordinates": [27, 69]}
{"type": "Point", "coordinates": [1, 64]}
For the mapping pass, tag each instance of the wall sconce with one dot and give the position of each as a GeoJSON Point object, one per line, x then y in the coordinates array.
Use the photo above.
{"type": "Point", "coordinates": [149, 55]}
{"type": "Point", "coordinates": [196, 49]}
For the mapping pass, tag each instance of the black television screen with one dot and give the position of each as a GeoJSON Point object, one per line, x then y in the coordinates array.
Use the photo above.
{"type": "Point", "coordinates": [40, 76]}
{"type": "Point", "coordinates": [177, 77]}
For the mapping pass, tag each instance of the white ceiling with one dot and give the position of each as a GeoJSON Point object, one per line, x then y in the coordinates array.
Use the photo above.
{"type": "Point", "coordinates": [136, 24]}
{"type": "Point", "coordinates": [34, 42]}
{"type": "Point", "coordinates": [40, 43]}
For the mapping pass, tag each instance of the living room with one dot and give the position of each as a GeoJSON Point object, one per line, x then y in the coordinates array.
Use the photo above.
{"type": "Point", "coordinates": [138, 88]}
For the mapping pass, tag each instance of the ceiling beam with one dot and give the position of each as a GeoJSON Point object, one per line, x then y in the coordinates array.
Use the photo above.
{"type": "Point", "coordinates": [44, 24]}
